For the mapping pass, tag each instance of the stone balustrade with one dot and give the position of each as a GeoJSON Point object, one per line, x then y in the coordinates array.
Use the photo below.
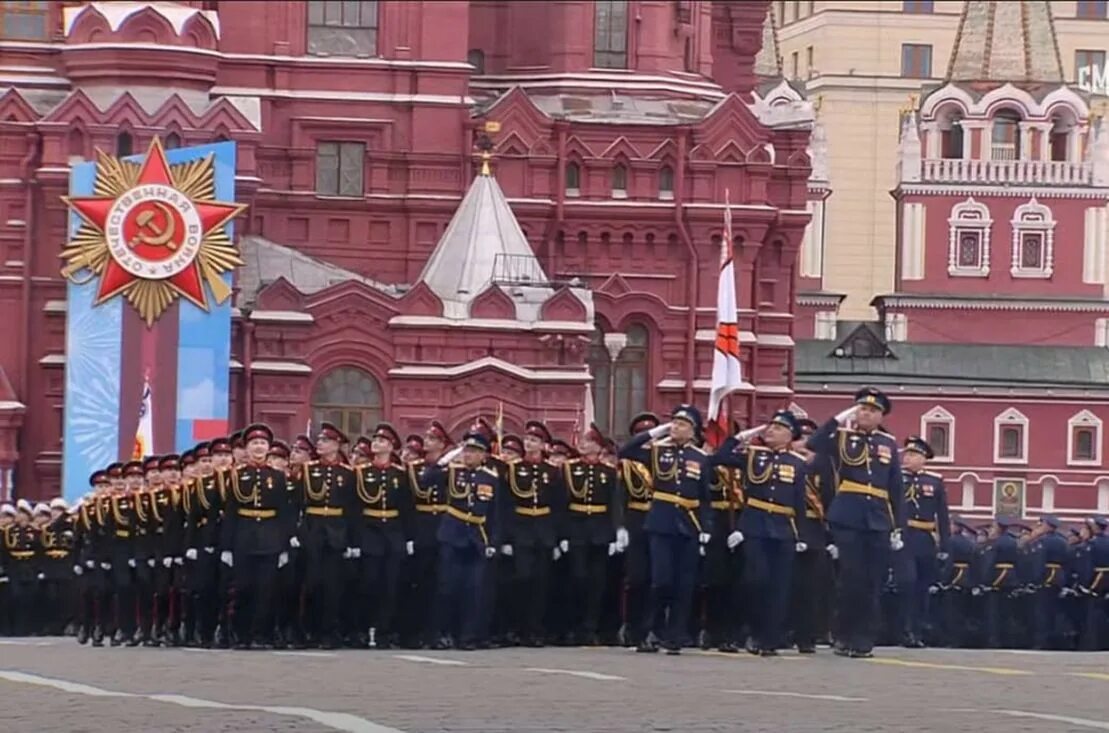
{"type": "Point", "coordinates": [1028, 172]}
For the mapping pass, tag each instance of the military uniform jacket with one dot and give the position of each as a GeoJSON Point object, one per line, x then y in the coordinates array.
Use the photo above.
{"type": "Point", "coordinates": [58, 543]}
{"type": "Point", "coordinates": [470, 519]}
{"type": "Point", "coordinates": [1001, 560]}
{"type": "Point", "coordinates": [680, 502]}
{"type": "Point", "coordinates": [120, 527]}
{"type": "Point", "coordinates": [534, 505]}
{"type": "Point", "coordinates": [812, 529]}
{"type": "Point", "coordinates": [958, 569]}
{"type": "Point", "coordinates": [203, 507]}
{"type": "Point", "coordinates": [594, 512]}
{"type": "Point", "coordinates": [260, 515]}
{"type": "Point", "coordinates": [384, 509]}
{"type": "Point", "coordinates": [726, 499]}
{"type": "Point", "coordinates": [866, 476]}
{"type": "Point", "coordinates": [20, 558]}
{"type": "Point", "coordinates": [168, 522]}
{"type": "Point", "coordinates": [88, 533]}
{"type": "Point", "coordinates": [326, 491]}
{"type": "Point", "coordinates": [144, 540]}
{"type": "Point", "coordinates": [1098, 577]}
{"type": "Point", "coordinates": [925, 512]}
{"type": "Point", "coordinates": [634, 493]}
{"type": "Point", "coordinates": [1055, 565]}
{"type": "Point", "coordinates": [773, 484]}
{"type": "Point", "coordinates": [429, 500]}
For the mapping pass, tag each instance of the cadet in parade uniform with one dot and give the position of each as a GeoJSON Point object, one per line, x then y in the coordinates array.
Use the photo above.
{"type": "Point", "coordinates": [957, 575]}
{"type": "Point", "coordinates": [258, 525]}
{"type": "Point", "coordinates": [143, 547]}
{"type": "Point", "coordinates": [1094, 588]}
{"type": "Point", "coordinates": [121, 531]}
{"type": "Point", "coordinates": [429, 500]}
{"type": "Point", "coordinates": [168, 537]}
{"type": "Point", "coordinates": [634, 487]}
{"type": "Point", "coordinates": [327, 533]}
{"type": "Point", "coordinates": [293, 591]}
{"type": "Point", "coordinates": [591, 523]}
{"type": "Point", "coordinates": [89, 554]}
{"type": "Point", "coordinates": [534, 521]}
{"type": "Point", "coordinates": [811, 566]}
{"type": "Point", "coordinates": [772, 477]}
{"type": "Point", "coordinates": [468, 539]}
{"type": "Point", "coordinates": [864, 516]}
{"type": "Point", "coordinates": [999, 579]}
{"type": "Point", "coordinates": [1053, 566]}
{"type": "Point", "coordinates": [202, 540]}
{"type": "Point", "coordinates": [927, 517]}
{"type": "Point", "coordinates": [678, 523]}
{"type": "Point", "coordinates": [20, 547]}
{"type": "Point", "coordinates": [383, 535]}
{"type": "Point", "coordinates": [286, 595]}
{"type": "Point", "coordinates": [58, 541]}
{"type": "Point", "coordinates": [7, 519]}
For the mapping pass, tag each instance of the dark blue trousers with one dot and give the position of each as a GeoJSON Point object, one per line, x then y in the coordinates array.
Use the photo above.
{"type": "Point", "coordinates": [461, 599]}
{"type": "Point", "coordinates": [914, 568]}
{"type": "Point", "coordinates": [673, 579]}
{"type": "Point", "coordinates": [769, 567]}
{"type": "Point", "coordinates": [863, 566]}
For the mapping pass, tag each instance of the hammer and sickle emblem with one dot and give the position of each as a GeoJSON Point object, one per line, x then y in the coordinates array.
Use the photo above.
{"type": "Point", "coordinates": [151, 233]}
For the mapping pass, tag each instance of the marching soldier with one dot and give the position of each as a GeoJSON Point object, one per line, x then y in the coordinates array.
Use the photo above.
{"type": "Point", "coordinates": [467, 540]}
{"type": "Point", "coordinates": [999, 580]}
{"type": "Point", "coordinates": [1054, 569]}
{"type": "Point", "coordinates": [382, 536]}
{"type": "Point", "coordinates": [429, 500]}
{"type": "Point", "coordinates": [534, 510]}
{"type": "Point", "coordinates": [812, 566]}
{"type": "Point", "coordinates": [144, 548]}
{"type": "Point", "coordinates": [678, 523]}
{"type": "Point", "coordinates": [21, 545]}
{"type": "Point", "coordinates": [634, 489]}
{"type": "Point", "coordinates": [58, 545]}
{"type": "Point", "coordinates": [168, 535]}
{"type": "Point", "coordinates": [773, 484]}
{"type": "Point", "coordinates": [926, 517]}
{"type": "Point", "coordinates": [864, 515]}
{"type": "Point", "coordinates": [89, 553]}
{"type": "Point", "coordinates": [121, 531]}
{"type": "Point", "coordinates": [1094, 589]}
{"type": "Point", "coordinates": [591, 527]}
{"type": "Point", "coordinates": [7, 520]}
{"type": "Point", "coordinates": [258, 524]}
{"type": "Point", "coordinates": [956, 584]}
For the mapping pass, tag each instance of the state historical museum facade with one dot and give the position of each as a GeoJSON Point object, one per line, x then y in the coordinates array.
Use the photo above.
{"type": "Point", "coordinates": [386, 277]}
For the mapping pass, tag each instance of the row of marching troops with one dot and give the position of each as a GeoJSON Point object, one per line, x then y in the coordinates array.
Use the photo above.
{"type": "Point", "coordinates": [789, 533]}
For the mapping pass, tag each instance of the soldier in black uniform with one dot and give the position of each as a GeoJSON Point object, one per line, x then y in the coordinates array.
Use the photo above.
{"type": "Point", "coordinates": [169, 538]}
{"type": "Point", "coordinates": [429, 495]}
{"type": "Point", "coordinates": [635, 488]}
{"type": "Point", "coordinates": [7, 519]}
{"type": "Point", "coordinates": [293, 591]}
{"type": "Point", "coordinates": [534, 510]}
{"type": "Point", "coordinates": [121, 531]}
{"type": "Point", "coordinates": [722, 566]}
{"type": "Point", "coordinates": [258, 523]}
{"type": "Point", "coordinates": [383, 534]}
{"type": "Point", "coordinates": [325, 489]}
{"type": "Point", "coordinates": [20, 547]}
{"type": "Point", "coordinates": [594, 515]}
{"type": "Point", "coordinates": [88, 548]}
{"type": "Point", "coordinates": [202, 540]}
{"type": "Point", "coordinates": [58, 541]}
{"type": "Point", "coordinates": [144, 547]}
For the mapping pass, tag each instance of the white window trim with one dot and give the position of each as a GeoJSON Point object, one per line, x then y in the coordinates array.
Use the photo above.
{"type": "Point", "coordinates": [983, 222]}
{"type": "Point", "coordinates": [1046, 226]}
{"type": "Point", "coordinates": [1011, 417]}
{"type": "Point", "coordinates": [1084, 419]}
{"type": "Point", "coordinates": [939, 415]}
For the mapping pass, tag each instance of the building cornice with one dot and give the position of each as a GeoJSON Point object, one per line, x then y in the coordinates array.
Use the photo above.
{"type": "Point", "coordinates": [906, 301]}
{"type": "Point", "coordinates": [996, 191]}
{"type": "Point", "coordinates": [810, 384]}
{"type": "Point", "coordinates": [821, 298]}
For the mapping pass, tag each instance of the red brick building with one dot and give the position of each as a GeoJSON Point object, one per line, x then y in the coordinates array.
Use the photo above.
{"type": "Point", "coordinates": [993, 342]}
{"type": "Point", "coordinates": [386, 277]}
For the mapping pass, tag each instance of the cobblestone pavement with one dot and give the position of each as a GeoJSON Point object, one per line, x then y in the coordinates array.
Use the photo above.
{"type": "Point", "coordinates": [54, 685]}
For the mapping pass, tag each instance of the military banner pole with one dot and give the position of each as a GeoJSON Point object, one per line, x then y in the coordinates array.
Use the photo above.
{"type": "Point", "coordinates": [727, 373]}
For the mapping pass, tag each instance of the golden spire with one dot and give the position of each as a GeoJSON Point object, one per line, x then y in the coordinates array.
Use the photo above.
{"type": "Point", "coordinates": [486, 156]}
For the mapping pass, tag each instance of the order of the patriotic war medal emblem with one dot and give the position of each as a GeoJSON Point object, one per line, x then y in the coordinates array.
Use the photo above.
{"type": "Point", "coordinates": [152, 232]}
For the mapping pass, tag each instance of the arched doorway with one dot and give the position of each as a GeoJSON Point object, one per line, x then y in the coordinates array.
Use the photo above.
{"type": "Point", "coordinates": [350, 398]}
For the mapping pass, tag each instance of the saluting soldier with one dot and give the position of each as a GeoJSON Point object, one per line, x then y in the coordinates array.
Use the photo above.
{"type": "Point", "coordinates": [258, 524]}
{"type": "Point", "coordinates": [926, 518]}
{"type": "Point", "coordinates": [468, 539]}
{"type": "Point", "coordinates": [864, 516]}
{"type": "Point", "coordinates": [429, 500]}
{"type": "Point", "coordinates": [678, 523]}
{"type": "Point", "coordinates": [594, 516]}
{"type": "Point", "coordinates": [382, 536]}
{"type": "Point", "coordinates": [634, 489]}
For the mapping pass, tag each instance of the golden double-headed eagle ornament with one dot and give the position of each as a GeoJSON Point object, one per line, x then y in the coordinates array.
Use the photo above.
{"type": "Point", "coordinates": [153, 232]}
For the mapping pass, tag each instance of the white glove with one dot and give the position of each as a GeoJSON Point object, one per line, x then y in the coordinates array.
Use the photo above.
{"type": "Point", "coordinates": [42, 576]}
{"type": "Point", "coordinates": [450, 456]}
{"type": "Point", "coordinates": [151, 561]}
{"type": "Point", "coordinates": [3, 579]}
{"type": "Point", "coordinates": [294, 543]}
{"type": "Point", "coordinates": [490, 551]}
{"type": "Point", "coordinates": [659, 431]}
{"type": "Point", "coordinates": [933, 590]}
{"type": "Point", "coordinates": [556, 554]}
{"type": "Point", "coordinates": [356, 553]}
{"type": "Point", "coordinates": [941, 556]}
{"type": "Point", "coordinates": [348, 554]}
{"type": "Point", "coordinates": [564, 545]}
{"type": "Point", "coordinates": [131, 563]}
{"type": "Point", "coordinates": [847, 414]}
{"type": "Point", "coordinates": [167, 562]}
{"type": "Point", "coordinates": [611, 549]}
{"type": "Point", "coordinates": [735, 539]}
{"type": "Point", "coordinates": [701, 550]}
{"type": "Point", "coordinates": [746, 436]}
{"type": "Point", "coordinates": [178, 561]}
{"type": "Point", "coordinates": [801, 546]}
{"type": "Point", "coordinates": [282, 560]}
{"type": "Point", "coordinates": [976, 591]}
{"type": "Point", "coordinates": [704, 538]}
{"type": "Point", "coordinates": [506, 550]}
{"type": "Point", "coordinates": [78, 570]}
{"type": "Point", "coordinates": [90, 564]}
{"type": "Point", "coordinates": [209, 550]}
{"type": "Point", "coordinates": [105, 566]}
{"type": "Point", "coordinates": [409, 548]}
{"type": "Point", "coordinates": [227, 558]}
{"type": "Point", "coordinates": [622, 540]}
{"type": "Point", "coordinates": [895, 540]}
{"type": "Point", "coordinates": [833, 551]}
{"type": "Point", "coordinates": [191, 553]}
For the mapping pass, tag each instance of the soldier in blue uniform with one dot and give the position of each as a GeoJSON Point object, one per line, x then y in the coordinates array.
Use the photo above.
{"type": "Point", "coordinates": [956, 581]}
{"type": "Point", "coordinates": [1054, 569]}
{"type": "Point", "coordinates": [1093, 587]}
{"type": "Point", "coordinates": [926, 513]}
{"type": "Point", "coordinates": [678, 523]}
{"type": "Point", "coordinates": [467, 542]}
{"type": "Point", "coordinates": [999, 580]}
{"type": "Point", "coordinates": [772, 477]}
{"type": "Point", "coordinates": [865, 515]}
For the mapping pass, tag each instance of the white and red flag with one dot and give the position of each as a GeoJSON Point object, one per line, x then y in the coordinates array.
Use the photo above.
{"type": "Point", "coordinates": [727, 372]}
{"type": "Point", "coordinates": [144, 436]}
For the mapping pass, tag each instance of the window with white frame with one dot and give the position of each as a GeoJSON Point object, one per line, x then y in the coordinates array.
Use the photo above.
{"type": "Point", "coordinates": [1084, 439]}
{"type": "Point", "coordinates": [1010, 442]}
{"type": "Point", "coordinates": [969, 239]}
{"type": "Point", "coordinates": [937, 427]}
{"type": "Point", "coordinates": [1033, 240]}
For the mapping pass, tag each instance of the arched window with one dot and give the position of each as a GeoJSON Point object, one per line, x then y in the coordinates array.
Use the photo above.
{"type": "Point", "coordinates": [950, 125]}
{"type": "Point", "coordinates": [125, 144]}
{"type": "Point", "coordinates": [1033, 241]}
{"type": "Point", "coordinates": [475, 57]}
{"type": "Point", "coordinates": [666, 183]}
{"type": "Point", "coordinates": [573, 179]}
{"type": "Point", "coordinates": [969, 239]}
{"type": "Point", "coordinates": [348, 397]}
{"type": "Point", "coordinates": [600, 366]}
{"type": "Point", "coordinates": [173, 140]}
{"type": "Point", "coordinates": [629, 380]}
{"type": "Point", "coordinates": [1006, 136]}
{"type": "Point", "coordinates": [620, 181]}
{"type": "Point", "coordinates": [1063, 124]}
